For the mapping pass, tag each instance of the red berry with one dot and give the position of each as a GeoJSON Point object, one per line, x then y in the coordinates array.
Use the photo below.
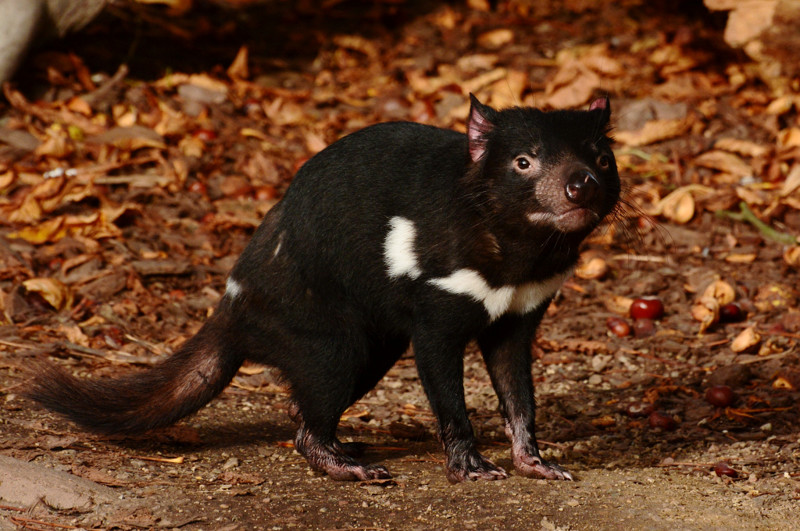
{"type": "Point", "coordinates": [731, 313]}
{"type": "Point", "coordinates": [724, 469]}
{"type": "Point", "coordinates": [720, 396]}
{"type": "Point", "coordinates": [206, 135]}
{"type": "Point", "coordinates": [198, 188]}
{"type": "Point", "coordinates": [661, 420]}
{"type": "Point", "coordinates": [647, 308]}
{"type": "Point", "coordinates": [618, 326]}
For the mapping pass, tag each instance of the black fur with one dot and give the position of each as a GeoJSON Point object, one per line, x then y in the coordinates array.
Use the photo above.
{"type": "Point", "coordinates": [312, 294]}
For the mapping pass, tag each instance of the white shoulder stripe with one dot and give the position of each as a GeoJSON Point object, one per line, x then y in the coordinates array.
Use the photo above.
{"type": "Point", "coordinates": [469, 282]}
{"type": "Point", "coordinates": [398, 249]}
{"type": "Point", "coordinates": [497, 301]}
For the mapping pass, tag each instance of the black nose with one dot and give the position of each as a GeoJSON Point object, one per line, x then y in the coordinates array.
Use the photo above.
{"type": "Point", "coordinates": [582, 187]}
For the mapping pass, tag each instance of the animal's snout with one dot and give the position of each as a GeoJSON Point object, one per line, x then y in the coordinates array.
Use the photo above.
{"type": "Point", "coordinates": [582, 187]}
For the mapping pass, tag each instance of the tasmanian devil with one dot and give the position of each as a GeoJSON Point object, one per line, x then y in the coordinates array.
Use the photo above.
{"type": "Point", "coordinates": [399, 234]}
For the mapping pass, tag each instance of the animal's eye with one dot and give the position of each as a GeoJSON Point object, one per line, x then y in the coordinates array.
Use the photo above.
{"type": "Point", "coordinates": [603, 162]}
{"type": "Point", "coordinates": [523, 163]}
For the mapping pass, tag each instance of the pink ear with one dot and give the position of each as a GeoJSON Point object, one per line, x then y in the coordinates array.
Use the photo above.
{"type": "Point", "coordinates": [478, 127]}
{"type": "Point", "coordinates": [599, 103]}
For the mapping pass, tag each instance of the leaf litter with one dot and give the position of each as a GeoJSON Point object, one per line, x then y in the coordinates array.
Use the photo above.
{"type": "Point", "coordinates": [126, 193]}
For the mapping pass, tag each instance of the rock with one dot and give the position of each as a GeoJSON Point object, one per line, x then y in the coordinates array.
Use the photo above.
{"type": "Point", "coordinates": [24, 484]}
{"type": "Point", "coordinates": [734, 376]}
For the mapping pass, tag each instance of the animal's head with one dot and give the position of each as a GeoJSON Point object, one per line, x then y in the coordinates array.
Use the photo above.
{"type": "Point", "coordinates": [551, 170]}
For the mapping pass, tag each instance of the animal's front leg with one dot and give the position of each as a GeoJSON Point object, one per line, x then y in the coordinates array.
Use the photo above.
{"type": "Point", "coordinates": [506, 348]}
{"type": "Point", "coordinates": [441, 368]}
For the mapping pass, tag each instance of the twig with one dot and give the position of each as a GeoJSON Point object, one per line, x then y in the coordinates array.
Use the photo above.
{"type": "Point", "coordinates": [694, 465]}
{"type": "Point", "coordinates": [745, 214]}
{"type": "Point", "coordinates": [640, 258]}
{"type": "Point", "coordinates": [24, 523]}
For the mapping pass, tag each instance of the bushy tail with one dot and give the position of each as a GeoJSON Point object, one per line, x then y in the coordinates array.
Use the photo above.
{"type": "Point", "coordinates": [157, 397]}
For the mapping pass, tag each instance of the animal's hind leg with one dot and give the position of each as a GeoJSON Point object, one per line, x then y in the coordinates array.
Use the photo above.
{"type": "Point", "coordinates": [324, 388]}
{"type": "Point", "coordinates": [383, 355]}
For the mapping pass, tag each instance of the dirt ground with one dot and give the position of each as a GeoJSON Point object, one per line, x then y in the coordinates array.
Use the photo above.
{"type": "Point", "coordinates": [126, 195]}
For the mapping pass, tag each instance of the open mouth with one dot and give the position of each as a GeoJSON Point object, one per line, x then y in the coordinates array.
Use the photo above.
{"type": "Point", "coordinates": [572, 220]}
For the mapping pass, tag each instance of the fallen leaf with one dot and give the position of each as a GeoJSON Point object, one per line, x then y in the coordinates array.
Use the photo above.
{"type": "Point", "coordinates": [742, 147]}
{"type": "Point", "coordinates": [572, 86]}
{"type": "Point", "coordinates": [495, 38]}
{"type": "Point", "coordinates": [792, 256]}
{"type": "Point", "coordinates": [238, 68]}
{"type": "Point", "coordinates": [724, 162]}
{"type": "Point", "coordinates": [129, 138]}
{"type": "Point", "coordinates": [678, 206]}
{"type": "Point", "coordinates": [594, 268]}
{"type": "Point", "coordinates": [358, 44]}
{"type": "Point", "coordinates": [741, 258]}
{"type": "Point", "coordinates": [789, 138]}
{"type": "Point", "coordinates": [706, 311]}
{"type": "Point", "coordinates": [653, 131]}
{"type": "Point", "coordinates": [721, 291]}
{"type": "Point", "coordinates": [746, 340]}
{"type": "Point", "coordinates": [56, 293]}
{"type": "Point", "coordinates": [792, 181]}
{"type": "Point", "coordinates": [619, 304]}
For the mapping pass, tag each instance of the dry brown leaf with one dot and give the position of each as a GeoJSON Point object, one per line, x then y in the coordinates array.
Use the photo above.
{"type": "Point", "coordinates": [573, 85]}
{"type": "Point", "coordinates": [358, 44]}
{"type": "Point", "coordinates": [603, 64]}
{"type": "Point", "coordinates": [724, 162]}
{"type": "Point", "coordinates": [746, 340]}
{"type": "Point", "coordinates": [705, 310]}
{"type": "Point", "coordinates": [781, 105]}
{"type": "Point", "coordinates": [479, 5]}
{"type": "Point", "coordinates": [7, 179]}
{"type": "Point", "coordinates": [594, 268]}
{"type": "Point", "coordinates": [619, 304]}
{"type": "Point", "coordinates": [792, 256]}
{"type": "Point", "coordinates": [74, 334]}
{"type": "Point", "coordinates": [789, 138]}
{"type": "Point", "coordinates": [314, 142]}
{"type": "Point", "coordinates": [741, 258]}
{"type": "Point", "coordinates": [653, 131]}
{"type": "Point", "coordinates": [55, 292]}
{"type": "Point", "coordinates": [238, 68]}
{"type": "Point", "coordinates": [507, 92]}
{"type": "Point", "coordinates": [478, 82]}
{"type": "Point", "coordinates": [129, 138]}
{"type": "Point", "coordinates": [742, 147]}
{"type": "Point", "coordinates": [496, 38]}
{"type": "Point", "coordinates": [678, 206]}
{"type": "Point", "coordinates": [721, 291]}
{"type": "Point", "coordinates": [792, 181]}
{"type": "Point", "coordinates": [47, 231]}
{"type": "Point", "coordinates": [191, 146]}
{"type": "Point", "coordinates": [56, 145]}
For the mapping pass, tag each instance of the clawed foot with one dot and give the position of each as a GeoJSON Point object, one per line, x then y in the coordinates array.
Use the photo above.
{"type": "Point", "coordinates": [336, 459]}
{"type": "Point", "coordinates": [470, 465]}
{"type": "Point", "coordinates": [534, 466]}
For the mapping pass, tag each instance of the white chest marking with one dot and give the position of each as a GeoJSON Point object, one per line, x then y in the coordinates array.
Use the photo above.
{"type": "Point", "coordinates": [398, 249]}
{"type": "Point", "coordinates": [497, 301]}
{"type": "Point", "coordinates": [232, 288]}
